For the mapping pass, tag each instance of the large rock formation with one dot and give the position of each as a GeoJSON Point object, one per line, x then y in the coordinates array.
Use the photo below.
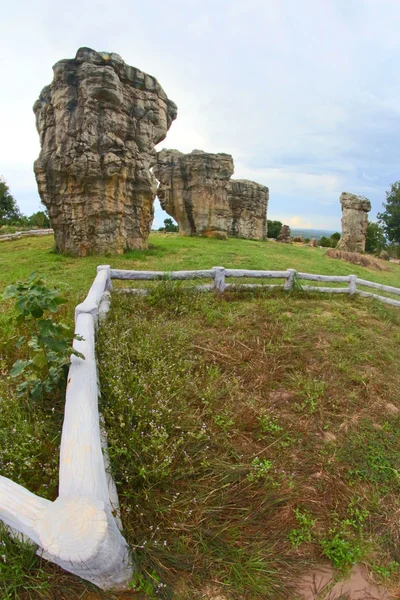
{"type": "Point", "coordinates": [98, 122]}
{"type": "Point", "coordinates": [196, 190]}
{"type": "Point", "coordinates": [248, 202]}
{"type": "Point", "coordinates": [354, 222]}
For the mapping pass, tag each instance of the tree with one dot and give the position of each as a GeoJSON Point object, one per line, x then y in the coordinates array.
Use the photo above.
{"type": "Point", "coordinates": [325, 242]}
{"type": "Point", "coordinates": [274, 228]}
{"type": "Point", "coordinates": [9, 211]}
{"type": "Point", "coordinates": [169, 226]}
{"type": "Point", "coordinates": [390, 217]}
{"type": "Point", "coordinates": [40, 219]}
{"type": "Point", "coordinates": [335, 237]}
{"type": "Point", "coordinates": [375, 240]}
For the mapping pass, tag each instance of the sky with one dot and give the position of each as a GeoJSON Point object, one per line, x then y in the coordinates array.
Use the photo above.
{"type": "Point", "coordinates": [305, 94]}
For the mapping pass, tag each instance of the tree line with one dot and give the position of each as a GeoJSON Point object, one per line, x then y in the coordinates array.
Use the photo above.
{"type": "Point", "coordinates": [11, 215]}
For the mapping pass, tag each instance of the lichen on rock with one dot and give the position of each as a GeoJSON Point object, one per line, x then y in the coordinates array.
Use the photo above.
{"type": "Point", "coordinates": [98, 122]}
{"type": "Point", "coordinates": [354, 222]}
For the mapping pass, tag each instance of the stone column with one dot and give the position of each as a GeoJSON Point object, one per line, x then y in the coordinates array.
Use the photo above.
{"type": "Point", "coordinates": [99, 121]}
{"type": "Point", "coordinates": [354, 222]}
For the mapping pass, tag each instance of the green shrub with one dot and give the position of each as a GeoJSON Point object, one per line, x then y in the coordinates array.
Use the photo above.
{"type": "Point", "coordinates": [49, 342]}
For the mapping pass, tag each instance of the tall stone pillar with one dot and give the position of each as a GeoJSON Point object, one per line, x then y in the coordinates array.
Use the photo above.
{"type": "Point", "coordinates": [99, 121]}
{"type": "Point", "coordinates": [355, 211]}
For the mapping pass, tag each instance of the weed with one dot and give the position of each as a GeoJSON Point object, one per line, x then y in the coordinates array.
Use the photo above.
{"type": "Point", "coordinates": [342, 551]}
{"type": "Point", "coordinates": [302, 534]}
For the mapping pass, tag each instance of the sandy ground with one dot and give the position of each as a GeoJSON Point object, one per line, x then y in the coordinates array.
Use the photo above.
{"type": "Point", "coordinates": [318, 585]}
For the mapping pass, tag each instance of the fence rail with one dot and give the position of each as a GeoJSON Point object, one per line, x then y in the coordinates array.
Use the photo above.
{"type": "Point", "coordinates": [220, 274]}
{"type": "Point", "coordinates": [79, 530]}
{"type": "Point", "coordinates": [20, 234]}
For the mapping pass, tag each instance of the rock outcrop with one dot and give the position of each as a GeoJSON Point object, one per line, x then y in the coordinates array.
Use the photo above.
{"type": "Point", "coordinates": [284, 235]}
{"type": "Point", "coordinates": [98, 122]}
{"type": "Point", "coordinates": [354, 222]}
{"type": "Point", "coordinates": [248, 202]}
{"type": "Point", "coordinates": [196, 189]}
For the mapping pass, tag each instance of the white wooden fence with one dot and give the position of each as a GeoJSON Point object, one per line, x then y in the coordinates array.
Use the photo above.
{"type": "Point", "coordinates": [79, 530]}
{"type": "Point", "coordinates": [218, 275]}
{"type": "Point", "coordinates": [20, 234]}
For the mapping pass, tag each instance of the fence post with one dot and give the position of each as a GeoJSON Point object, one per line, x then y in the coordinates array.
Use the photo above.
{"type": "Point", "coordinates": [219, 279]}
{"type": "Point", "coordinates": [352, 284]}
{"type": "Point", "coordinates": [289, 279]}
{"type": "Point", "coordinates": [107, 268]}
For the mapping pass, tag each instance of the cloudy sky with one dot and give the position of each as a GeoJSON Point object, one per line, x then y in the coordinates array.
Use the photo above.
{"type": "Point", "coordinates": [305, 94]}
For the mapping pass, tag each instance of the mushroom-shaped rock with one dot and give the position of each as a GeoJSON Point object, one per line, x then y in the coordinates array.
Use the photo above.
{"type": "Point", "coordinates": [354, 222]}
{"type": "Point", "coordinates": [99, 121]}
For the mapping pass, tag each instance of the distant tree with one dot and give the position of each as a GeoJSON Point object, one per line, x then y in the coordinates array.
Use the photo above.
{"type": "Point", "coordinates": [274, 228]}
{"type": "Point", "coordinates": [9, 211]}
{"type": "Point", "coordinates": [375, 240]}
{"type": "Point", "coordinates": [325, 242]}
{"type": "Point", "coordinates": [390, 217]}
{"type": "Point", "coordinates": [169, 226]}
{"type": "Point", "coordinates": [39, 219]}
{"type": "Point", "coordinates": [335, 237]}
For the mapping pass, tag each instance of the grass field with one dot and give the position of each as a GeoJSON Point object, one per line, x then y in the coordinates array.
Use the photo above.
{"type": "Point", "coordinates": [251, 435]}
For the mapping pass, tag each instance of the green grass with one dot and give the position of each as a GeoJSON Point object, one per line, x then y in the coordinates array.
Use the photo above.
{"type": "Point", "coordinates": [227, 419]}
{"type": "Point", "coordinates": [243, 431]}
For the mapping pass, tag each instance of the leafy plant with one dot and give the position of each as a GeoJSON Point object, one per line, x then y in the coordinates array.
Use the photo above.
{"type": "Point", "coordinates": [341, 550]}
{"type": "Point", "coordinates": [302, 534]}
{"type": "Point", "coordinates": [260, 469]}
{"type": "Point", "coordinates": [50, 343]}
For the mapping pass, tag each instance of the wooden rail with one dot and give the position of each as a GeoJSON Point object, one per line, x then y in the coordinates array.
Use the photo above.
{"type": "Point", "coordinates": [220, 274]}
{"type": "Point", "coordinates": [20, 234]}
{"type": "Point", "coordinates": [78, 531]}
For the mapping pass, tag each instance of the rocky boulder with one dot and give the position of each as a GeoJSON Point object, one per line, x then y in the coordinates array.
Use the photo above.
{"type": "Point", "coordinates": [284, 235]}
{"type": "Point", "coordinates": [98, 122]}
{"type": "Point", "coordinates": [248, 203]}
{"type": "Point", "coordinates": [196, 189]}
{"type": "Point", "coordinates": [354, 222]}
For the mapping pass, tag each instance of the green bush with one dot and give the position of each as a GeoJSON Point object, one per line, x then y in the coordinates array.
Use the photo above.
{"type": "Point", "coordinates": [49, 343]}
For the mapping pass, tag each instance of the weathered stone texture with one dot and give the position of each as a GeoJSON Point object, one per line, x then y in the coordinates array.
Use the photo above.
{"type": "Point", "coordinates": [248, 202]}
{"type": "Point", "coordinates": [354, 222]}
{"type": "Point", "coordinates": [98, 122]}
{"type": "Point", "coordinates": [284, 235]}
{"type": "Point", "coordinates": [196, 190]}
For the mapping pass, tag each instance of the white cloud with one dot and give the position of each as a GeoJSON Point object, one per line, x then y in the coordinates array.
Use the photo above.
{"type": "Point", "coordinates": [305, 95]}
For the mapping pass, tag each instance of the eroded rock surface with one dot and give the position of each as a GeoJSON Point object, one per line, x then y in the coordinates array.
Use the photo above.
{"type": "Point", "coordinates": [354, 222]}
{"type": "Point", "coordinates": [196, 189]}
{"type": "Point", "coordinates": [284, 235]}
{"type": "Point", "coordinates": [98, 122]}
{"type": "Point", "coordinates": [248, 202]}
